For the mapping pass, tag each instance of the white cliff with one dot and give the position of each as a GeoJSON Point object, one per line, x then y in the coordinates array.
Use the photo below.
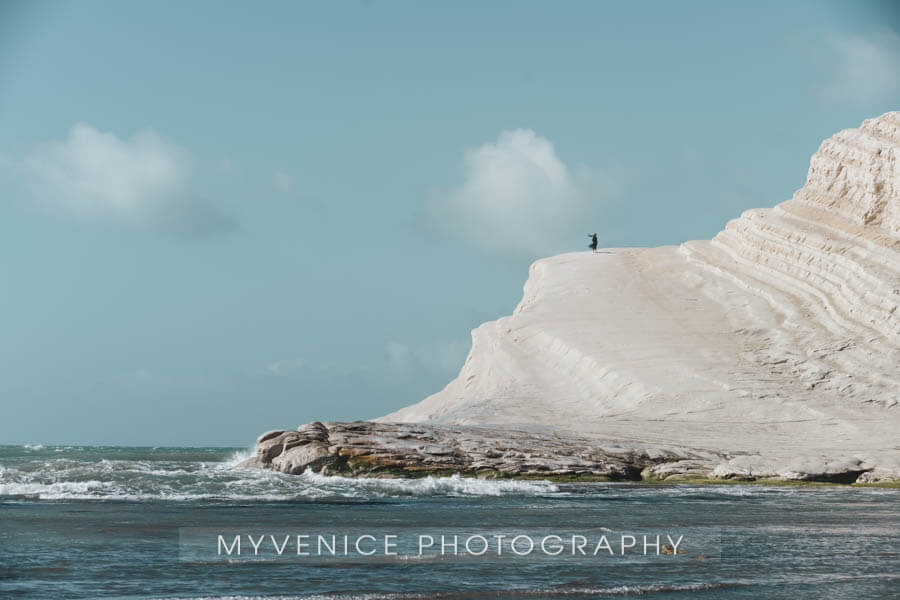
{"type": "Point", "coordinates": [776, 344]}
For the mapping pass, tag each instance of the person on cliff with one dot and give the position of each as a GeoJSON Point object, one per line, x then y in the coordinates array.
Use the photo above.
{"type": "Point", "coordinates": [593, 244]}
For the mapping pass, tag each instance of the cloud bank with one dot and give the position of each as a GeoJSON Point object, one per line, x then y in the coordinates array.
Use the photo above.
{"type": "Point", "coordinates": [517, 197]}
{"type": "Point", "coordinates": [142, 183]}
{"type": "Point", "coordinates": [864, 68]}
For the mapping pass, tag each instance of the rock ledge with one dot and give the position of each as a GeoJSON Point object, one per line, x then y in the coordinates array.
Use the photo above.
{"type": "Point", "coordinates": [371, 449]}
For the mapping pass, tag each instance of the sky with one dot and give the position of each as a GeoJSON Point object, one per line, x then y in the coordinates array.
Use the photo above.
{"type": "Point", "coordinates": [220, 218]}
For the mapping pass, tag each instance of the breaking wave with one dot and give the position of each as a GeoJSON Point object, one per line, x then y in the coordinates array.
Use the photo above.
{"type": "Point", "coordinates": [215, 475]}
{"type": "Point", "coordinates": [140, 474]}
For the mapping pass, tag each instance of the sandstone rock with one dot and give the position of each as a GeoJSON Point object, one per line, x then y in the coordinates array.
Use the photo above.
{"type": "Point", "coordinates": [297, 459]}
{"type": "Point", "coordinates": [677, 468]}
{"type": "Point", "coordinates": [373, 449]}
{"type": "Point", "coordinates": [385, 449]}
{"type": "Point", "coordinates": [271, 444]}
{"type": "Point", "coordinates": [876, 476]}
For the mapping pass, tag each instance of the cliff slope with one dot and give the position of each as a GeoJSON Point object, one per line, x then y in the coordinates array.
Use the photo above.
{"type": "Point", "coordinates": [778, 341]}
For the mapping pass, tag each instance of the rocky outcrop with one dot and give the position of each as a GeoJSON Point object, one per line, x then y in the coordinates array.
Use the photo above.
{"type": "Point", "coordinates": [772, 350]}
{"type": "Point", "coordinates": [369, 449]}
{"type": "Point", "coordinates": [365, 448]}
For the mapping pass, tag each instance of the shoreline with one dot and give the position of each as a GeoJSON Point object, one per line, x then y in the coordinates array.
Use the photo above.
{"type": "Point", "coordinates": [366, 449]}
{"type": "Point", "coordinates": [565, 479]}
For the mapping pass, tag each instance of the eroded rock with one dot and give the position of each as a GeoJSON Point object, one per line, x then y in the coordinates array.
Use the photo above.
{"type": "Point", "coordinates": [363, 448]}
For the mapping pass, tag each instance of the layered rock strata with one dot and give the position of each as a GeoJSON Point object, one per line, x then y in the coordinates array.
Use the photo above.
{"type": "Point", "coordinates": [772, 350]}
{"type": "Point", "coordinates": [369, 449]}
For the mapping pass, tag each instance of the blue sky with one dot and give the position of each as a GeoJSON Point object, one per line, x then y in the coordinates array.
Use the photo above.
{"type": "Point", "coordinates": [218, 218]}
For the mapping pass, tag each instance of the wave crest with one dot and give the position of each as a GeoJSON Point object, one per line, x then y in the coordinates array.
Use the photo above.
{"type": "Point", "coordinates": [454, 485]}
{"type": "Point", "coordinates": [105, 475]}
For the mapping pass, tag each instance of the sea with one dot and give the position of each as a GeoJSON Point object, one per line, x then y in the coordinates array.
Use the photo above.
{"type": "Point", "coordinates": [139, 523]}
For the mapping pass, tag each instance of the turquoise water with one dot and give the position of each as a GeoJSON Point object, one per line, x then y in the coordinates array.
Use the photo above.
{"type": "Point", "coordinates": [90, 522]}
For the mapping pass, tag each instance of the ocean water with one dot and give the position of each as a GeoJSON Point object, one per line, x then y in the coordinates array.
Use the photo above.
{"type": "Point", "coordinates": [114, 522]}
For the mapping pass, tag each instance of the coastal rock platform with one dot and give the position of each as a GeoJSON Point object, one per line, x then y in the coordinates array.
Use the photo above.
{"type": "Point", "coordinates": [370, 449]}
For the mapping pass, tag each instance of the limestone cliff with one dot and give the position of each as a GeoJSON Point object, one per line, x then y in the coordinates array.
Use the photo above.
{"type": "Point", "coordinates": [772, 350]}
{"type": "Point", "coordinates": [779, 338]}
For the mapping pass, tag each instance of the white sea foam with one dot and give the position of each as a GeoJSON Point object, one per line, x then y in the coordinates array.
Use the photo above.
{"type": "Point", "coordinates": [238, 457]}
{"type": "Point", "coordinates": [430, 486]}
{"type": "Point", "coordinates": [95, 474]}
{"type": "Point", "coordinates": [55, 491]}
{"type": "Point", "coordinates": [100, 478]}
{"type": "Point", "coordinates": [68, 477]}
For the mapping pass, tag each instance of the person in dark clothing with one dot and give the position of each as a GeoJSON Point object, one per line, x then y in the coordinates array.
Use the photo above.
{"type": "Point", "coordinates": [593, 244]}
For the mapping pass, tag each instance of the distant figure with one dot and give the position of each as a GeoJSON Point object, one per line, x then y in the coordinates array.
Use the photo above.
{"type": "Point", "coordinates": [593, 244]}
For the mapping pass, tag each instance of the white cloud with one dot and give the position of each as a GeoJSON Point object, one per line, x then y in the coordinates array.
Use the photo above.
{"type": "Point", "coordinates": [142, 182]}
{"type": "Point", "coordinates": [517, 198]}
{"type": "Point", "coordinates": [864, 68]}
